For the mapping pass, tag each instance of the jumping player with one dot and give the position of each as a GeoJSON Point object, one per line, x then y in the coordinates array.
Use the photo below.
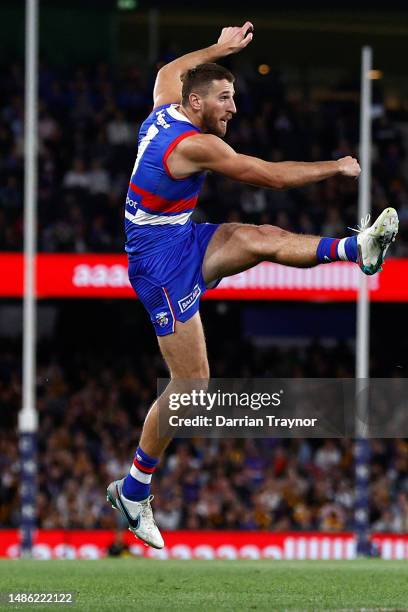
{"type": "Point", "coordinates": [172, 261]}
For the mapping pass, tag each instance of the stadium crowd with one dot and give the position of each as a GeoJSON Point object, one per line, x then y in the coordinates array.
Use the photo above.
{"type": "Point", "coordinates": [88, 125]}
{"type": "Point", "coordinates": [91, 409]}
{"type": "Point", "coordinates": [92, 405]}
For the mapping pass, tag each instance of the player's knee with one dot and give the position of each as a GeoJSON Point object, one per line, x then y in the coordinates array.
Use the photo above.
{"type": "Point", "coordinates": [266, 239]}
{"type": "Point", "coordinates": [199, 372]}
{"type": "Point", "coordinates": [195, 370]}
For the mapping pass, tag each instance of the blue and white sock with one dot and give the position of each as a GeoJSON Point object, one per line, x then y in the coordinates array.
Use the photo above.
{"type": "Point", "coordinates": [136, 485]}
{"type": "Point", "coordinates": [335, 249]}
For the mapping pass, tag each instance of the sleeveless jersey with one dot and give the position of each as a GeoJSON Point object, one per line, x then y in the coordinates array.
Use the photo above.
{"type": "Point", "coordinates": [159, 207]}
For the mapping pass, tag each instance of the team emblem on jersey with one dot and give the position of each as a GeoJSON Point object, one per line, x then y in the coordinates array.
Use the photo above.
{"type": "Point", "coordinates": [162, 318]}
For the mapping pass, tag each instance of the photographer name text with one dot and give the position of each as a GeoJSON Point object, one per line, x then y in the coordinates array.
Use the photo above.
{"type": "Point", "coordinates": [219, 420]}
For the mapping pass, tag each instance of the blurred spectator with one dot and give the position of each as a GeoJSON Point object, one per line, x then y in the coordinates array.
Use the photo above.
{"type": "Point", "coordinates": [77, 176]}
{"type": "Point", "coordinates": [99, 179]}
{"type": "Point", "coordinates": [118, 548]}
{"type": "Point", "coordinates": [119, 131]}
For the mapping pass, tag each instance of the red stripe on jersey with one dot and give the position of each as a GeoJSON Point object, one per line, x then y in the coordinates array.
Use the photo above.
{"type": "Point", "coordinates": [159, 204]}
{"type": "Point", "coordinates": [333, 249]}
{"type": "Point", "coordinates": [171, 147]}
{"type": "Point", "coordinates": [171, 308]}
{"type": "Point", "coordinates": [142, 468]}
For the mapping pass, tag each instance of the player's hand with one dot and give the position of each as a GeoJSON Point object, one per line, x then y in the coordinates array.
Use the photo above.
{"type": "Point", "coordinates": [234, 39]}
{"type": "Point", "coordinates": [349, 166]}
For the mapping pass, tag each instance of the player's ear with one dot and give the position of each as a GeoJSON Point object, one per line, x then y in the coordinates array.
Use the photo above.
{"type": "Point", "coordinates": [195, 101]}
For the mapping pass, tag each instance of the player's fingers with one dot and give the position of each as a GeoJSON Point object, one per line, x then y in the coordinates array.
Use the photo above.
{"type": "Point", "coordinates": [245, 41]}
{"type": "Point", "coordinates": [247, 26]}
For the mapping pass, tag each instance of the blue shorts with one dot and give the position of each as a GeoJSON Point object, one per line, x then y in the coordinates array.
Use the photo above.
{"type": "Point", "coordinates": [170, 283]}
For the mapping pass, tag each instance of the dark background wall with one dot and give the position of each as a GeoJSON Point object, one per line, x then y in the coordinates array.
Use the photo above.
{"type": "Point", "coordinates": [328, 35]}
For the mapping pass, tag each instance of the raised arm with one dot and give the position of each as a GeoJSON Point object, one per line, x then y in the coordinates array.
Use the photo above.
{"type": "Point", "coordinates": [208, 152]}
{"type": "Point", "coordinates": [167, 88]}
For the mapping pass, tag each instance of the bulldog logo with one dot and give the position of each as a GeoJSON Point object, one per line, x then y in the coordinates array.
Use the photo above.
{"type": "Point", "coordinates": [162, 318]}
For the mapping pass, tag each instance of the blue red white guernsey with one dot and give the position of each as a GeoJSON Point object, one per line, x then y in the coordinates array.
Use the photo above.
{"type": "Point", "coordinates": [159, 207]}
{"type": "Point", "coordinates": [166, 249]}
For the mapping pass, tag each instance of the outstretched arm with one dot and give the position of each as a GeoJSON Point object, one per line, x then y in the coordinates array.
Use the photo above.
{"type": "Point", "coordinates": [208, 152]}
{"type": "Point", "coordinates": [167, 88]}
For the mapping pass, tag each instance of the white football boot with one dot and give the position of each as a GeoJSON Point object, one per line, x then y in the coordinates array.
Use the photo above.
{"type": "Point", "coordinates": [373, 241]}
{"type": "Point", "coordinates": [138, 515]}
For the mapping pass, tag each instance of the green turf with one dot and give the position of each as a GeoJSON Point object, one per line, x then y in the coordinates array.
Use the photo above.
{"type": "Point", "coordinates": [148, 585]}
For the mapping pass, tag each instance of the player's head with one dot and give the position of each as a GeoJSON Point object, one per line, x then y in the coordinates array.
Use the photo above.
{"type": "Point", "coordinates": [208, 89]}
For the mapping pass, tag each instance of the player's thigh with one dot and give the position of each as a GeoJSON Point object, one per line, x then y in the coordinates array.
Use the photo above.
{"type": "Point", "coordinates": [230, 251]}
{"type": "Point", "coordinates": [235, 247]}
{"type": "Point", "coordinates": [185, 350]}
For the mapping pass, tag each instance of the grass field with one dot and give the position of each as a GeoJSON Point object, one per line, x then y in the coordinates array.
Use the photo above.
{"type": "Point", "coordinates": [141, 584]}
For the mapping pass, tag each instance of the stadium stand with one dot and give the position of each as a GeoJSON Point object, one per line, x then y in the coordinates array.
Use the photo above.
{"type": "Point", "coordinates": [88, 128]}
{"type": "Point", "coordinates": [91, 410]}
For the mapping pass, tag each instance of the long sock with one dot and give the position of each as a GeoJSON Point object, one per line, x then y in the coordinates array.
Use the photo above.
{"type": "Point", "coordinates": [335, 249]}
{"type": "Point", "coordinates": [136, 485]}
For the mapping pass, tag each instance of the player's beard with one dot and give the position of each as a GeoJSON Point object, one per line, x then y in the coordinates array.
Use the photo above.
{"type": "Point", "coordinates": [212, 124]}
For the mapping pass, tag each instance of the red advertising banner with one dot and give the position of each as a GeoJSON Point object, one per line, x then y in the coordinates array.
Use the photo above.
{"type": "Point", "coordinates": [58, 544]}
{"type": "Point", "coordinates": [85, 276]}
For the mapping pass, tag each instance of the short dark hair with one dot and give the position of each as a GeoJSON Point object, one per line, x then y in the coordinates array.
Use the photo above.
{"type": "Point", "coordinates": [200, 78]}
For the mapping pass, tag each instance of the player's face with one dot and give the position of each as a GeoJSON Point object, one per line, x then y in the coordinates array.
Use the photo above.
{"type": "Point", "coordinates": [218, 107]}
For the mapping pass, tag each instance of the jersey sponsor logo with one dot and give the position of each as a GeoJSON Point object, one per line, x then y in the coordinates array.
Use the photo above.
{"type": "Point", "coordinates": [162, 318]}
{"type": "Point", "coordinates": [132, 203]}
{"type": "Point", "coordinates": [161, 120]}
{"type": "Point", "coordinates": [186, 302]}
